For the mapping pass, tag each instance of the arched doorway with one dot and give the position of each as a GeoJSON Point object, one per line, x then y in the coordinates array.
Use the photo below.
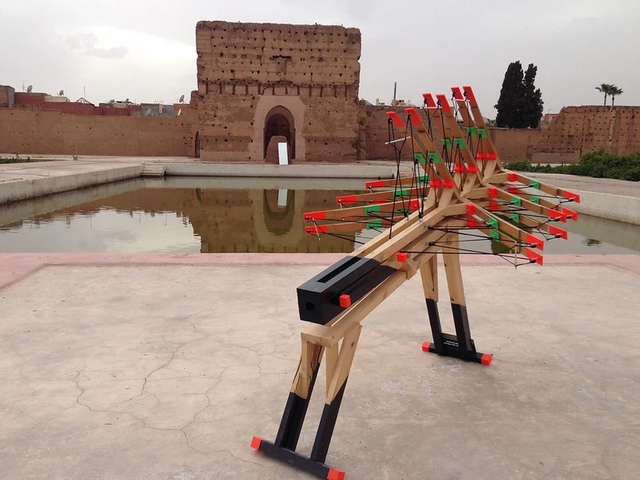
{"type": "Point", "coordinates": [279, 122]}
{"type": "Point", "coordinates": [197, 145]}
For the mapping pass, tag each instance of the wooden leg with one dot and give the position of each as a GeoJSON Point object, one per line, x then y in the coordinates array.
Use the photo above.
{"type": "Point", "coordinates": [298, 401]}
{"type": "Point", "coordinates": [429, 275]}
{"type": "Point", "coordinates": [459, 345]}
{"type": "Point", "coordinates": [337, 381]}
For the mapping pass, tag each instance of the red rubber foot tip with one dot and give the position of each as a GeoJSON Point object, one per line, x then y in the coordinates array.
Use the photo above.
{"type": "Point", "coordinates": [425, 346]}
{"type": "Point", "coordinates": [335, 474]}
{"type": "Point", "coordinates": [255, 443]}
{"type": "Point", "coordinates": [486, 359]}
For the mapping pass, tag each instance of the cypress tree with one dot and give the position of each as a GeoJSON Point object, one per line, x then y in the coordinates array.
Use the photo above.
{"type": "Point", "coordinates": [510, 102]}
{"type": "Point", "coordinates": [520, 104]}
{"type": "Point", "coordinates": [533, 106]}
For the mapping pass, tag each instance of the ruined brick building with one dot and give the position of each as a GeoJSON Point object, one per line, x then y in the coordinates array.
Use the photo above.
{"type": "Point", "coordinates": [294, 82]}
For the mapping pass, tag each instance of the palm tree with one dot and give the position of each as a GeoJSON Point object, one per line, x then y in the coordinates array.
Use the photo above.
{"type": "Point", "coordinates": [614, 91]}
{"type": "Point", "coordinates": [606, 89]}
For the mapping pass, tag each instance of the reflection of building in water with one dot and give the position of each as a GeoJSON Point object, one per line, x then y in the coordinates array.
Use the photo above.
{"type": "Point", "coordinates": [236, 220]}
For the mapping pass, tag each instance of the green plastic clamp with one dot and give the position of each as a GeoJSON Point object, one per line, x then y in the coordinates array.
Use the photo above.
{"type": "Point", "coordinates": [434, 157]}
{"type": "Point", "coordinates": [460, 143]}
{"type": "Point", "coordinates": [371, 208]}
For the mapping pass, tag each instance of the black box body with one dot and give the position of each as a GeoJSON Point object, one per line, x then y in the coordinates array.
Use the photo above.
{"type": "Point", "coordinates": [319, 298]}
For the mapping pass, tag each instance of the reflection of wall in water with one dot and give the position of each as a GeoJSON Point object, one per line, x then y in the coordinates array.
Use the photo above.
{"type": "Point", "coordinates": [236, 220]}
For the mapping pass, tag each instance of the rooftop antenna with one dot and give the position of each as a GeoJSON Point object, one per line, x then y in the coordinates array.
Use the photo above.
{"type": "Point", "coordinates": [181, 99]}
{"type": "Point", "coordinates": [29, 88]}
{"type": "Point", "coordinates": [61, 93]}
{"type": "Point", "coordinates": [395, 86]}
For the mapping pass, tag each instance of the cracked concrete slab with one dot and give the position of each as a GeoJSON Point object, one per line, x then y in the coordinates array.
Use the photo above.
{"type": "Point", "coordinates": [167, 371]}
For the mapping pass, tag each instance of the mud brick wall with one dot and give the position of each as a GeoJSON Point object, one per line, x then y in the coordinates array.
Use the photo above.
{"type": "Point", "coordinates": [248, 73]}
{"type": "Point", "coordinates": [29, 131]}
{"type": "Point", "coordinates": [579, 130]}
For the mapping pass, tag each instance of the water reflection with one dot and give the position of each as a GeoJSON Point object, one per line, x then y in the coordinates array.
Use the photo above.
{"type": "Point", "coordinates": [182, 215]}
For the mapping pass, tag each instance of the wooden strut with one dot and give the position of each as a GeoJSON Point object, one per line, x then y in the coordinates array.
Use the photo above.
{"type": "Point", "coordinates": [471, 189]}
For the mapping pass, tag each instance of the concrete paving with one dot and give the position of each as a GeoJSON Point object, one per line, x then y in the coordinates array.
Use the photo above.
{"type": "Point", "coordinates": [165, 366]}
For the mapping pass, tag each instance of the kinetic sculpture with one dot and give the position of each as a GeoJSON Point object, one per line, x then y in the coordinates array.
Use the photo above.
{"type": "Point", "coordinates": [456, 193]}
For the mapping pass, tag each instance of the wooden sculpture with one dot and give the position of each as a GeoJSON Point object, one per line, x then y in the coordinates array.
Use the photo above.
{"type": "Point", "coordinates": [458, 189]}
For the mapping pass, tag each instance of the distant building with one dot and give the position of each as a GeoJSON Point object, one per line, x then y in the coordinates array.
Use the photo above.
{"type": "Point", "coordinates": [7, 96]}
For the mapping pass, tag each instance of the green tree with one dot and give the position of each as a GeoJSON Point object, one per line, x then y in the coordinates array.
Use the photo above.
{"type": "Point", "coordinates": [520, 104]}
{"type": "Point", "coordinates": [510, 102]}
{"type": "Point", "coordinates": [604, 88]}
{"type": "Point", "coordinates": [614, 92]}
{"type": "Point", "coordinates": [533, 106]}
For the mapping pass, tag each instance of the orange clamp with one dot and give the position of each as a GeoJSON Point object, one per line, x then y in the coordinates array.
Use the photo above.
{"type": "Point", "coordinates": [471, 209]}
{"type": "Point", "coordinates": [556, 215]}
{"type": "Point", "coordinates": [559, 232]}
{"type": "Point", "coordinates": [535, 241]}
{"type": "Point", "coordinates": [255, 443]}
{"type": "Point", "coordinates": [345, 301]}
{"type": "Point", "coordinates": [429, 101]}
{"type": "Point", "coordinates": [511, 176]}
{"type": "Point", "coordinates": [376, 184]}
{"type": "Point", "coordinates": [572, 196]}
{"type": "Point", "coordinates": [347, 199]}
{"type": "Point", "coordinates": [457, 93]}
{"type": "Point", "coordinates": [335, 474]}
{"type": "Point", "coordinates": [468, 92]}
{"type": "Point", "coordinates": [443, 103]}
{"type": "Point", "coordinates": [413, 115]}
{"type": "Point", "coordinates": [534, 256]}
{"type": "Point", "coordinates": [401, 257]}
{"type": "Point", "coordinates": [572, 214]}
{"type": "Point", "coordinates": [396, 120]}
{"type": "Point", "coordinates": [310, 216]}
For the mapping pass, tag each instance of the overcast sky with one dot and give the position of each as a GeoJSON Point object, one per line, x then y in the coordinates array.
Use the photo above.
{"type": "Point", "coordinates": [145, 49]}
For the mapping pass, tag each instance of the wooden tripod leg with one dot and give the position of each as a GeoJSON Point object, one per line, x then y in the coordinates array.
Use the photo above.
{"type": "Point", "coordinates": [429, 275]}
{"type": "Point", "coordinates": [337, 375]}
{"type": "Point", "coordinates": [298, 401]}
{"type": "Point", "coordinates": [456, 294]}
{"type": "Point", "coordinates": [459, 345]}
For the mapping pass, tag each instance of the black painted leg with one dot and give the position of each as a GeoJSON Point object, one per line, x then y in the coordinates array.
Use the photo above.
{"type": "Point", "coordinates": [460, 345]}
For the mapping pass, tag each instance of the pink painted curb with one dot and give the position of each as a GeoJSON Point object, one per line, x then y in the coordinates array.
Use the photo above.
{"type": "Point", "coordinates": [16, 266]}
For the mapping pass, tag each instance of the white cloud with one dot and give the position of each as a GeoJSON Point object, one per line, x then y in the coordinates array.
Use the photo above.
{"type": "Point", "coordinates": [146, 49]}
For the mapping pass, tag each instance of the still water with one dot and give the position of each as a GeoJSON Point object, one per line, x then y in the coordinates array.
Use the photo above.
{"type": "Point", "coordinates": [211, 215]}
